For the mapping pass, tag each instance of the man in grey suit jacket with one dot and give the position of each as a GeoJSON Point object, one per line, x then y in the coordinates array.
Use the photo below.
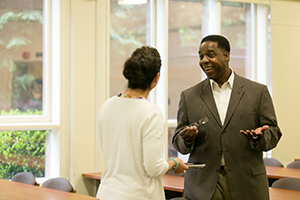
{"type": "Point", "coordinates": [242, 124]}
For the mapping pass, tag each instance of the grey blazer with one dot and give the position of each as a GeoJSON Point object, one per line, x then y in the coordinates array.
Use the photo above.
{"type": "Point", "coordinates": [250, 107]}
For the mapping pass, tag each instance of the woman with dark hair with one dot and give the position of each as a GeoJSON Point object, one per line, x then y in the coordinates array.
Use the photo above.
{"type": "Point", "coordinates": [132, 135]}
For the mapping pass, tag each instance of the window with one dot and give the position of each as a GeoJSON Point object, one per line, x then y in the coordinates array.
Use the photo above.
{"type": "Point", "coordinates": [175, 28]}
{"type": "Point", "coordinates": [239, 22]}
{"type": "Point", "coordinates": [21, 58]}
{"type": "Point", "coordinates": [185, 32]}
{"type": "Point", "coordinates": [129, 27]}
{"type": "Point", "coordinates": [236, 26]}
{"type": "Point", "coordinates": [29, 110]}
{"type": "Point", "coordinates": [22, 150]}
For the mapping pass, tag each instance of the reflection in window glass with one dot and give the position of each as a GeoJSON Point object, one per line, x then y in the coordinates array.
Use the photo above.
{"type": "Point", "coordinates": [22, 150]}
{"type": "Point", "coordinates": [21, 55]}
{"type": "Point", "coordinates": [235, 25]}
{"type": "Point", "coordinates": [184, 37]}
{"type": "Point", "coordinates": [128, 30]}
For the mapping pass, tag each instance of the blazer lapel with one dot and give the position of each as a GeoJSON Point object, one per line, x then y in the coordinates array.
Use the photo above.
{"type": "Point", "coordinates": [207, 96]}
{"type": "Point", "coordinates": [236, 95]}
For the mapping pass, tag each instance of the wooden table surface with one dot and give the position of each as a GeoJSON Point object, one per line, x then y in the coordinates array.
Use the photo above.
{"type": "Point", "coordinates": [176, 183]}
{"type": "Point", "coordinates": [10, 190]}
{"type": "Point", "coordinates": [281, 194]}
{"type": "Point", "coordinates": [172, 183]}
{"type": "Point", "coordinates": [96, 176]}
{"type": "Point", "coordinates": [282, 172]}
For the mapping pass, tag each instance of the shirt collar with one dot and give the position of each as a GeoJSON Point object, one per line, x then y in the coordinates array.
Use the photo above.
{"type": "Point", "coordinates": [229, 81]}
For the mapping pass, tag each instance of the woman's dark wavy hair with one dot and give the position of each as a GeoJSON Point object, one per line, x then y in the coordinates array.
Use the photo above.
{"type": "Point", "coordinates": [141, 68]}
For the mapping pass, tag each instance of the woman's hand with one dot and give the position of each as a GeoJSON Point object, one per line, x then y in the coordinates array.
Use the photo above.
{"type": "Point", "coordinates": [177, 165]}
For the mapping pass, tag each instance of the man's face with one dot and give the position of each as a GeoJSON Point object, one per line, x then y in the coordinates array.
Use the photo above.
{"type": "Point", "coordinates": [214, 61]}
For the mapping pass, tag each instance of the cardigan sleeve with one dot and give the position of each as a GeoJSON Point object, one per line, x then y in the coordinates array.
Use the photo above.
{"type": "Point", "coordinates": [153, 145]}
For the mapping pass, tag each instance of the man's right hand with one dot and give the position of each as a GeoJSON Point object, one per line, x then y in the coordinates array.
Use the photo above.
{"type": "Point", "coordinates": [189, 133]}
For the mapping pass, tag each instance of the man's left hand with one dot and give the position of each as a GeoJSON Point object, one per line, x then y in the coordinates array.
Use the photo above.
{"type": "Point", "coordinates": [255, 134]}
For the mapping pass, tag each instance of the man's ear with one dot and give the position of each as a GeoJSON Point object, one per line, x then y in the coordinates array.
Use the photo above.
{"type": "Point", "coordinates": [227, 56]}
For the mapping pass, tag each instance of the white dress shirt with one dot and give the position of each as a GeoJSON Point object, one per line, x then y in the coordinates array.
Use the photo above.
{"type": "Point", "coordinates": [222, 97]}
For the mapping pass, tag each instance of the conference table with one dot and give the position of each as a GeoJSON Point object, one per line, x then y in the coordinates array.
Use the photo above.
{"type": "Point", "coordinates": [170, 182]}
{"type": "Point", "coordinates": [10, 190]}
{"type": "Point", "coordinates": [176, 183]}
{"type": "Point", "coordinates": [282, 172]}
{"type": "Point", "coordinates": [282, 194]}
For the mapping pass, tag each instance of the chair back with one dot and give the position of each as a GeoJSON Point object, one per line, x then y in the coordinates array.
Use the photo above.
{"type": "Point", "coordinates": [294, 164]}
{"type": "Point", "coordinates": [61, 184]}
{"type": "Point", "coordinates": [287, 183]}
{"type": "Point", "coordinates": [272, 162]}
{"type": "Point", "coordinates": [24, 177]}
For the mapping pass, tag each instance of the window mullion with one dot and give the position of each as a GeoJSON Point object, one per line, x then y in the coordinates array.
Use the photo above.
{"type": "Point", "coordinates": [210, 17]}
{"type": "Point", "coordinates": [161, 41]}
{"type": "Point", "coordinates": [262, 42]}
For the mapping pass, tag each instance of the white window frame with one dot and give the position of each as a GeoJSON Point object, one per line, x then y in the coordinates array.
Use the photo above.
{"type": "Point", "coordinates": [51, 118]}
{"type": "Point", "coordinates": [51, 77]}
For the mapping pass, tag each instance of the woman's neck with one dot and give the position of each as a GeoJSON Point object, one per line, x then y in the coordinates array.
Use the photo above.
{"type": "Point", "coordinates": [137, 92]}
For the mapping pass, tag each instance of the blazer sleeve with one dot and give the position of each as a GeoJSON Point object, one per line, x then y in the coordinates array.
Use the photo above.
{"type": "Point", "coordinates": [179, 144]}
{"type": "Point", "coordinates": [267, 116]}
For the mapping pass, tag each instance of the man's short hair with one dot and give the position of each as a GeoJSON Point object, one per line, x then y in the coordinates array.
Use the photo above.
{"type": "Point", "coordinates": [221, 40]}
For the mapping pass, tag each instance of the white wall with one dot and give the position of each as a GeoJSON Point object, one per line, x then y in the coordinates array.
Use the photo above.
{"type": "Point", "coordinates": [285, 32]}
{"type": "Point", "coordinates": [78, 138]}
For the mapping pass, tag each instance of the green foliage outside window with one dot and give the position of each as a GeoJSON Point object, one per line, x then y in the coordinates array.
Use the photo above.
{"type": "Point", "coordinates": [22, 150]}
{"type": "Point", "coordinates": [19, 24]}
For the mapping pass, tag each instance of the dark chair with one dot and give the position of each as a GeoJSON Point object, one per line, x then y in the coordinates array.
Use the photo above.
{"type": "Point", "coordinates": [59, 184]}
{"type": "Point", "coordinates": [287, 183]}
{"type": "Point", "coordinates": [294, 164]}
{"type": "Point", "coordinates": [178, 198]}
{"type": "Point", "coordinates": [24, 177]}
{"type": "Point", "coordinates": [272, 162]}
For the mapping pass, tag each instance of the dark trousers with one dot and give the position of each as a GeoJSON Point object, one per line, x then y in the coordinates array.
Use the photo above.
{"type": "Point", "coordinates": [222, 191]}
